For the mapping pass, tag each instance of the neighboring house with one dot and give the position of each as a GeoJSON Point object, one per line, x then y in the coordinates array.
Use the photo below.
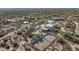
{"type": "Point", "coordinates": [70, 26]}
{"type": "Point", "coordinates": [77, 28]}
{"type": "Point", "coordinates": [14, 20]}
{"type": "Point", "coordinates": [75, 17]}
{"type": "Point", "coordinates": [58, 18]}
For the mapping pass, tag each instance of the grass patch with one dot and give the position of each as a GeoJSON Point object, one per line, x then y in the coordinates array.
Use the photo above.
{"type": "Point", "coordinates": [71, 36]}
{"type": "Point", "coordinates": [35, 36]}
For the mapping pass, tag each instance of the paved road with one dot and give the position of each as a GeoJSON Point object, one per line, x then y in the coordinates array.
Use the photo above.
{"type": "Point", "coordinates": [7, 35]}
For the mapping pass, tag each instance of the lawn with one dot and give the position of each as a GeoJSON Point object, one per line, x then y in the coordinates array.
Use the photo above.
{"type": "Point", "coordinates": [71, 36]}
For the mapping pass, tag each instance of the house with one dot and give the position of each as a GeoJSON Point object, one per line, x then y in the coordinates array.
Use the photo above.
{"type": "Point", "coordinates": [50, 26]}
{"type": "Point", "coordinates": [25, 22]}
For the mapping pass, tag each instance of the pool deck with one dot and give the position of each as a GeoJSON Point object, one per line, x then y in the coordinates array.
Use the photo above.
{"type": "Point", "coordinates": [44, 42]}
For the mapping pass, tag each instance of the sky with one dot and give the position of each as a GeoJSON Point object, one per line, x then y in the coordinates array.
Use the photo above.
{"type": "Point", "coordinates": [39, 3]}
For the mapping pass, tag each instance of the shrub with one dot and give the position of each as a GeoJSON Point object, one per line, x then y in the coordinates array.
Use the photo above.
{"type": "Point", "coordinates": [61, 41]}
